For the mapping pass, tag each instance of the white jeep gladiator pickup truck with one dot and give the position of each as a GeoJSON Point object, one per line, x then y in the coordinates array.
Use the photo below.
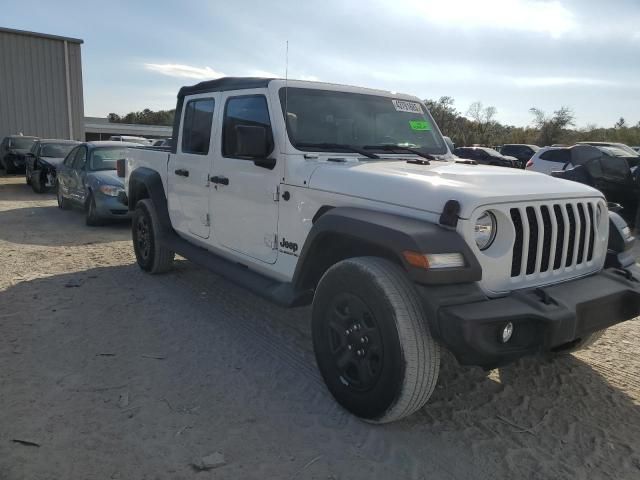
{"type": "Point", "coordinates": [349, 198]}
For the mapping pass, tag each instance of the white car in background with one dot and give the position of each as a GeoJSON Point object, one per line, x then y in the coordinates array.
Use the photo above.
{"type": "Point", "coordinates": [130, 139]}
{"type": "Point", "coordinates": [548, 159]}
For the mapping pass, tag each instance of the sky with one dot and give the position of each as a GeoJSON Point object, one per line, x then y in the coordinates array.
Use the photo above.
{"type": "Point", "coordinates": [511, 54]}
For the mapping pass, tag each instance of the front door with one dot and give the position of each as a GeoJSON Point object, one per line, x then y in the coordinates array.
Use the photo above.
{"type": "Point", "coordinates": [243, 200]}
{"type": "Point", "coordinates": [188, 169]}
{"type": "Point", "coordinates": [76, 176]}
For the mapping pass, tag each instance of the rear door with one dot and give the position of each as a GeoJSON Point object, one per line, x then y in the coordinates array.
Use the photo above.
{"type": "Point", "coordinates": [189, 168]}
{"type": "Point", "coordinates": [244, 201]}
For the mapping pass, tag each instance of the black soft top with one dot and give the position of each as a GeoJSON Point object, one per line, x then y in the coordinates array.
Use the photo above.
{"type": "Point", "coordinates": [224, 84]}
{"type": "Point", "coordinates": [218, 85]}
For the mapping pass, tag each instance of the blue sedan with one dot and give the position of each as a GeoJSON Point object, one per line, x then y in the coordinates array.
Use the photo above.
{"type": "Point", "coordinates": [87, 178]}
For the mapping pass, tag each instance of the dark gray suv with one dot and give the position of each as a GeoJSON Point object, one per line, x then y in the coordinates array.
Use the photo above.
{"type": "Point", "coordinates": [521, 151]}
{"type": "Point", "coordinates": [13, 150]}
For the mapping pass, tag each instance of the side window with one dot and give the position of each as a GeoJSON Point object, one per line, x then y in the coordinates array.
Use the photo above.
{"type": "Point", "coordinates": [615, 168]}
{"type": "Point", "coordinates": [68, 161]}
{"type": "Point", "coordinates": [81, 158]}
{"type": "Point", "coordinates": [196, 126]}
{"type": "Point", "coordinates": [558, 156]}
{"type": "Point", "coordinates": [244, 111]}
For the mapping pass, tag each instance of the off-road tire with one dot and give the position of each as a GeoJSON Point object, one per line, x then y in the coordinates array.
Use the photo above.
{"type": "Point", "coordinates": [37, 183]}
{"type": "Point", "coordinates": [63, 203]}
{"type": "Point", "coordinates": [406, 370]}
{"type": "Point", "coordinates": [92, 219]}
{"type": "Point", "coordinates": [151, 256]}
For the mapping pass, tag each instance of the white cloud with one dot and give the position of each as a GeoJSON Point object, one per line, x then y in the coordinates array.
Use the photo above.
{"type": "Point", "coordinates": [529, 82]}
{"type": "Point", "coordinates": [184, 71]}
{"type": "Point", "coordinates": [542, 16]}
{"type": "Point", "coordinates": [262, 73]}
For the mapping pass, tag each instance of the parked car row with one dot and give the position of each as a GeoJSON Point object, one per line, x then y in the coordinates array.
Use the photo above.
{"type": "Point", "coordinates": [611, 168]}
{"type": "Point", "coordinates": [82, 174]}
{"type": "Point", "coordinates": [487, 156]}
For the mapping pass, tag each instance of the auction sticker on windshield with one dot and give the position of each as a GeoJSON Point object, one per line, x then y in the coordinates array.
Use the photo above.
{"type": "Point", "coordinates": [404, 106]}
{"type": "Point", "coordinates": [419, 125]}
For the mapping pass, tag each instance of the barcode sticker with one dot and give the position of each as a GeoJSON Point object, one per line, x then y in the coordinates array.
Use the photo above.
{"type": "Point", "coordinates": [404, 106]}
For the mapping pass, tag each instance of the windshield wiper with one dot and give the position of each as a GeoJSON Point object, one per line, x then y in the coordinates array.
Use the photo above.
{"type": "Point", "coordinates": [339, 146]}
{"type": "Point", "coordinates": [390, 147]}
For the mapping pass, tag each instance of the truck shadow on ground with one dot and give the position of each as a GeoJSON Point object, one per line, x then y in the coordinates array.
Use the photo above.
{"type": "Point", "coordinates": [55, 227]}
{"type": "Point", "coordinates": [224, 350]}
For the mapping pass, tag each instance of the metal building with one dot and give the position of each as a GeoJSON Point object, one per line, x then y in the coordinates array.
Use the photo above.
{"type": "Point", "coordinates": [40, 85]}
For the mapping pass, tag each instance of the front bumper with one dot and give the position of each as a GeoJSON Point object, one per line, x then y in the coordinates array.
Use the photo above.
{"type": "Point", "coordinates": [109, 207]}
{"type": "Point", "coordinates": [545, 318]}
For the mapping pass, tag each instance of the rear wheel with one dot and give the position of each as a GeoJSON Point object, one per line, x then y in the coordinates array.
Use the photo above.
{"type": "Point", "coordinates": [63, 203]}
{"type": "Point", "coordinates": [151, 255]}
{"type": "Point", "coordinates": [371, 340]}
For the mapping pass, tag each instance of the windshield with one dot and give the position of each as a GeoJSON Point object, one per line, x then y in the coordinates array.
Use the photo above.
{"type": "Point", "coordinates": [56, 150]}
{"type": "Point", "coordinates": [21, 143]}
{"type": "Point", "coordinates": [105, 158]}
{"type": "Point", "coordinates": [316, 117]}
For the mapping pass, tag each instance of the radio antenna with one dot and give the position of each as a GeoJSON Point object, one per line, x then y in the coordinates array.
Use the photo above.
{"type": "Point", "coordinates": [286, 97]}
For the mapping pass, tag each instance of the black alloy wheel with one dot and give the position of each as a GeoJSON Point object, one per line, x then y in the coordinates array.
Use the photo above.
{"type": "Point", "coordinates": [355, 342]}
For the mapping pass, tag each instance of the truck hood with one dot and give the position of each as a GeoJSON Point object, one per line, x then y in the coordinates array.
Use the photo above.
{"type": "Point", "coordinates": [429, 187]}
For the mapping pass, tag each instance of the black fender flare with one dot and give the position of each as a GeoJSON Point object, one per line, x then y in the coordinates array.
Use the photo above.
{"type": "Point", "coordinates": [390, 233]}
{"type": "Point", "coordinates": [145, 182]}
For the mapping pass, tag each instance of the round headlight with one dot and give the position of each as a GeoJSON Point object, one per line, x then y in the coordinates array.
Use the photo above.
{"type": "Point", "coordinates": [485, 230]}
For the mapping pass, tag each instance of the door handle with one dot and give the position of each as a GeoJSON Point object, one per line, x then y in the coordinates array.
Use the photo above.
{"type": "Point", "coordinates": [220, 180]}
{"type": "Point", "coordinates": [182, 172]}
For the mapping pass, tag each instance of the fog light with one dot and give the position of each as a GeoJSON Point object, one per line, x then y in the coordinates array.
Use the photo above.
{"type": "Point", "coordinates": [507, 331]}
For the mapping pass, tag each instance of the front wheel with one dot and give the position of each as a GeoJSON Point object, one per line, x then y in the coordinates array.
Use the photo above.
{"type": "Point", "coordinates": [63, 203]}
{"type": "Point", "coordinates": [151, 255]}
{"type": "Point", "coordinates": [92, 218]}
{"type": "Point", "coordinates": [38, 181]}
{"type": "Point", "coordinates": [9, 167]}
{"type": "Point", "coordinates": [371, 341]}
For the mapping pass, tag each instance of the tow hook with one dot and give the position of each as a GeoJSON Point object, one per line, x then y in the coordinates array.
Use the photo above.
{"type": "Point", "coordinates": [544, 297]}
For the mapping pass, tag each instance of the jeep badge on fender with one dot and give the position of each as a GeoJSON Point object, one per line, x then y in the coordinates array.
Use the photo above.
{"type": "Point", "coordinates": [293, 247]}
{"type": "Point", "coordinates": [523, 265]}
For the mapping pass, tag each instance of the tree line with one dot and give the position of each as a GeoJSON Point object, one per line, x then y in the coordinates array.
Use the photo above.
{"type": "Point", "coordinates": [145, 117]}
{"type": "Point", "coordinates": [478, 125]}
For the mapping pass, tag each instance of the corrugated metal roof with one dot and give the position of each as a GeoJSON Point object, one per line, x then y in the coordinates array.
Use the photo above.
{"type": "Point", "coordinates": [41, 35]}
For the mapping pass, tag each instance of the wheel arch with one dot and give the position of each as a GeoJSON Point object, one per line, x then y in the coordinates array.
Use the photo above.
{"type": "Point", "coordinates": [144, 183]}
{"type": "Point", "coordinates": [344, 232]}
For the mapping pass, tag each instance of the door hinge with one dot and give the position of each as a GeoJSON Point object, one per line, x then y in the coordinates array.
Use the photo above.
{"type": "Point", "coordinates": [271, 240]}
{"type": "Point", "coordinates": [276, 194]}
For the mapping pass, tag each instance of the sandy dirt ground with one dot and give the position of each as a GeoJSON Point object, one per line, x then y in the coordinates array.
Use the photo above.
{"type": "Point", "coordinates": [116, 374]}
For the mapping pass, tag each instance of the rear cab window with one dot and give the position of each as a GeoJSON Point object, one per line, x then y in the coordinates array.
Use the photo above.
{"type": "Point", "coordinates": [196, 126]}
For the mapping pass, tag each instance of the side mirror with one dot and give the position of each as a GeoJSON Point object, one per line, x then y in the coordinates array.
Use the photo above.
{"type": "Point", "coordinates": [252, 143]}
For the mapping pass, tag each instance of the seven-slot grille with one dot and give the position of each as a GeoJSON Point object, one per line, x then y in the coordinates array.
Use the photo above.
{"type": "Point", "coordinates": [552, 237]}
